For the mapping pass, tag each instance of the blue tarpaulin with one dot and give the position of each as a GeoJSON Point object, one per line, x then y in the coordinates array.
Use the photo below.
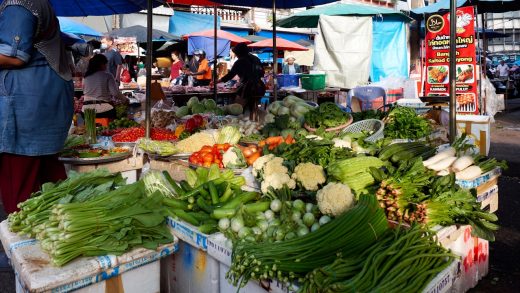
{"type": "Point", "coordinates": [389, 50]}
{"type": "Point", "coordinates": [183, 23]}
{"type": "Point", "coordinates": [206, 44]}
{"type": "Point", "coordinates": [237, 31]}
{"type": "Point", "coordinates": [68, 25]}
{"type": "Point", "coordinates": [99, 7]}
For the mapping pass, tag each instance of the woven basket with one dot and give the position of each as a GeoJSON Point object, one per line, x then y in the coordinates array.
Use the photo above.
{"type": "Point", "coordinates": [368, 125]}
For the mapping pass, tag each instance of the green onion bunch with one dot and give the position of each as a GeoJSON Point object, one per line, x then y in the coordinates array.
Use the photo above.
{"type": "Point", "coordinates": [35, 211]}
{"type": "Point", "coordinates": [348, 235]}
{"type": "Point", "coordinates": [400, 261]}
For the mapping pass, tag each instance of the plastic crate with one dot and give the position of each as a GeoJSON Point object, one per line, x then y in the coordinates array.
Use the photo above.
{"type": "Point", "coordinates": [313, 81]}
{"type": "Point", "coordinates": [288, 80]}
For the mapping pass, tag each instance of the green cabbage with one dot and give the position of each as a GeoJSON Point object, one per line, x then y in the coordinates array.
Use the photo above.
{"type": "Point", "coordinates": [234, 109]}
{"type": "Point", "coordinates": [209, 104]}
{"type": "Point", "coordinates": [274, 106]}
{"type": "Point", "coordinates": [298, 110]}
{"type": "Point", "coordinates": [291, 100]}
{"type": "Point", "coordinates": [197, 108]}
{"type": "Point", "coordinates": [283, 111]}
{"type": "Point", "coordinates": [183, 111]}
{"type": "Point", "coordinates": [192, 101]}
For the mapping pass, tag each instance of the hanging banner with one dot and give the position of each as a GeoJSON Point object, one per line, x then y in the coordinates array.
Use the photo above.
{"type": "Point", "coordinates": [127, 45]}
{"type": "Point", "coordinates": [437, 58]}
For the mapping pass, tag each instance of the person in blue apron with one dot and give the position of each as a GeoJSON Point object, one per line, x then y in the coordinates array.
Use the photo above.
{"type": "Point", "coordinates": [36, 99]}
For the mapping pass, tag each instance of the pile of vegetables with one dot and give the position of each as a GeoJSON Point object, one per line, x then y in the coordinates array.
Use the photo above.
{"type": "Point", "coordinates": [282, 125]}
{"type": "Point", "coordinates": [348, 235]}
{"type": "Point", "coordinates": [90, 125]}
{"type": "Point", "coordinates": [400, 261]}
{"type": "Point", "coordinates": [194, 106]}
{"type": "Point", "coordinates": [404, 123]}
{"type": "Point", "coordinates": [327, 115]}
{"type": "Point", "coordinates": [192, 125]}
{"type": "Point", "coordinates": [161, 148]}
{"type": "Point", "coordinates": [86, 215]}
{"type": "Point", "coordinates": [355, 172]}
{"type": "Point", "coordinates": [209, 155]}
{"type": "Point", "coordinates": [135, 133]}
{"type": "Point", "coordinates": [292, 106]}
{"type": "Point", "coordinates": [273, 142]}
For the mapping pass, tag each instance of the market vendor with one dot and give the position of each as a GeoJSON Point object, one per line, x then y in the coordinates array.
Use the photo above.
{"type": "Point", "coordinates": [100, 88]}
{"type": "Point", "coordinates": [177, 66]}
{"type": "Point", "coordinates": [203, 74]}
{"type": "Point", "coordinates": [249, 69]}
{"type": "Point", "coordinates": [290, 67]}
{"type": "Point", "coordinates": [36, 99]}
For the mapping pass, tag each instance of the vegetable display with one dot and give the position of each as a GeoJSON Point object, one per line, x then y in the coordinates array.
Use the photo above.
{"type": "Point", "coordinates": [349, 234]}
{"type": "Point", "coordinates": [209, 155]}
{"type": "Point", "coordinates": [134, 133]}
{"type": "Point", "coordinates": [327, 115]}
{"type": "Point", "coordinates": [403, 122]}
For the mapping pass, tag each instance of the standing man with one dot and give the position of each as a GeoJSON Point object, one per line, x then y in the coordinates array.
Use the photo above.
{"type": "Point", "coordinates": [36, 99]}
{"type": "Point", "coordinates": [115, 60]}
{"type": "Point", "coordinates": [203, 74]}
{"type": "Point", "coordinates": [503, 70]}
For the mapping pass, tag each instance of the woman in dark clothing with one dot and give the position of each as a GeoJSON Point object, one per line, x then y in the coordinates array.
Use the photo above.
{"type": "Point", "coordinates": [249, 69]}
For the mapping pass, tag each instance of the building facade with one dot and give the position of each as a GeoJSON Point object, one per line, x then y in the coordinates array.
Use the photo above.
{"type": "Point", "coordinates": [507, 23]}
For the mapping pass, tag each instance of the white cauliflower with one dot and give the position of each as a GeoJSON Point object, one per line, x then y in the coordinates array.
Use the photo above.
{"type": "Point", "coordinates": [275, 166]}
{"type": "Point", "coordinates": [334, 199]}
{"type": "Point", "coordinates": [258, 165]}
{"type": "Point", "coordinates": [233, 158]}
{"type": "Point", "coordinates": [277, 181]}
{"type": "Point", "coordinates": [309, 175]}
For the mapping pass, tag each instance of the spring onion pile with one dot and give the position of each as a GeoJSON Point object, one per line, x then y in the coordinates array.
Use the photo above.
{"type": "Point", "coordinates": [90, 125]}
{"type": "Point", "coordinates": [35, 211]}
{"type": "Point", "coordinates": [400, 261]}
{"type": "Point", "coordinates": [348, 235]}
{"type": "Point", "coordinates": [111, 223]}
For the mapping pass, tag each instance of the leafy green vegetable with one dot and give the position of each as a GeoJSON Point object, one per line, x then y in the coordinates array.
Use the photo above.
{"type": "Point", "coordinates": [404, 123]}
{"type": "Point", "coordinates": [327, 115]}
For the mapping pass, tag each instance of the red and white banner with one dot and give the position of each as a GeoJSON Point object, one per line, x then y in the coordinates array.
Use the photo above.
{"type": "Point", "coordinates": [437, 58]}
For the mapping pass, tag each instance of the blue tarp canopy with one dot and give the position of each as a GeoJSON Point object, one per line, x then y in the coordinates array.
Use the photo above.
{"type": "Point", "coordinates": [237, 31]}
{"type": "Point", "coordinates": [71, 39]}
{"type": "Point", "coordinates": [206, 44]}
{"type": "Point", "coordinates": [184, 23]}
{"type": "Point", "coordinates": [284, 35]}
{"type": "Point", "coordinates": [99, 7]}
{"type": "Point", "coordinates": [389, 50]}
{"type": "Point", "coordinates": [140, 33]}
{"type": "Point", "coordinates": [68, 25]}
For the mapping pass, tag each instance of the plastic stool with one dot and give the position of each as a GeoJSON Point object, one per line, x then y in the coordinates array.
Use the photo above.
{"type": "Point", "coordinates": [264, 100]}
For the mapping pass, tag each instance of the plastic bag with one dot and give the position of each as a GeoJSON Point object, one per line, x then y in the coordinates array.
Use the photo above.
{"type": "Point", "coordinates": [125, 75]}
{"type": "Point", "coordinates": [494, 102]}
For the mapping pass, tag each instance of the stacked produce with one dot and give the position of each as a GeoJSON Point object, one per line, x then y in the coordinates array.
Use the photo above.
{"type": "Point", "coordinates": [350, 234]}
{"type": "Point", "coordinates": [400, 261]}
{"type": "Point", "coordinates": [327, 116]}
{"type": "Point", "coordinates": [194, 106]}
{"type": "Point", "coordinates": [404, 123]}
{"type": "Point", "coordinates": [194, 124]}
{"type": "Point", "coordinates": [86, 216]}
{"type": "Point", "coordinates": [291, 107]}
{"type": "Point", "coordinates": [135, 133]}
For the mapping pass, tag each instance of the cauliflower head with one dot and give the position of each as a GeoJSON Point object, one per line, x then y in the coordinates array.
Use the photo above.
{"type": "Point", "coordinates": [275, 166]}
{"type": "Point", "coordinates": [334, 199]}
{"type": "Point", "coordinates": [258, 165]}
{"type": "Point", "coordinates": [277, 181]}
{"type": "Point", "coordinates": [309, 175]}
{"type": "Point", "coordinates": [233, 158]}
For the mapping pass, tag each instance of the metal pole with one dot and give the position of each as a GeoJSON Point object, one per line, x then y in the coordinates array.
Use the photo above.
{"type": "Point", "coordinates": [275, 55]}
{"type": "Point", "coordinates": [482, 63]}
{"type": "Point", "coordinates": [149, 48]}
{"type": "Point", "coordinates": [215, 52]}
{"type": "Point", "coordinates": [453, 64]}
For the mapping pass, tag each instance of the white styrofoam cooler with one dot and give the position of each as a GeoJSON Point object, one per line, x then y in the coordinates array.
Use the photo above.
{"type": "Point", "coordinates": [134, 271]}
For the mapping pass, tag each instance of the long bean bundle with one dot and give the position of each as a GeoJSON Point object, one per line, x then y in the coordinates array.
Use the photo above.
{"type": "Point", "coordinates": [349, 234]}
{"type": "Point", "coordinates": [90, 125]}
{"type": "Point", "coordinates": [111, 223]}
{"type": "Point", "coordinates": [402, 261]}
{"type": "Point", "coordinates": [35, 211]}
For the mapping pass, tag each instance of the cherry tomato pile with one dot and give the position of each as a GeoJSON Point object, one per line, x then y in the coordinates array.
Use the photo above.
{"type": "Point", "coordinates": [135, 133]}
{"type": "Point", "coordinates": [209, 155]}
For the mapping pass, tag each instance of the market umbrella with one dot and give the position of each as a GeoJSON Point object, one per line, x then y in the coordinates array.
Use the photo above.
{"type": "Point", "coordinates": [221, 35]}
{"type": "Point", "coordinates": [68, 25]}
{"type": "Point", "coordinates": [309, 18]}
{"type": "Point", "coordinates": [281, 44]}
{"type": "Point", "coordinates": [139, 32]}
{"type": "Point", "coordinates": [70, 39]}
{"type": "Point", "coordinates": [254, 38]}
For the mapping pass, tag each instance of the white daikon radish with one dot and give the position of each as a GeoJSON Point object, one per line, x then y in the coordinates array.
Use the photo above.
{"type": "Point", "coordinates": [449, 152]}
{"type": "Point", "coordinates": [442, 164]}
{"type": "Point", "coordinates": [462, 163]}
{"type": "Point", "coordinates": [469, 173]}
{"type": "Point", "coordinates": [443, 172]}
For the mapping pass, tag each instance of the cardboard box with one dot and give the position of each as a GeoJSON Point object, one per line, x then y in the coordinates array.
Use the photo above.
{"type": "Point", "coordinates": [478, 129]}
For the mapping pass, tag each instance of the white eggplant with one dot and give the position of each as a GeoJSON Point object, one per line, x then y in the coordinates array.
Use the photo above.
{"type": "Point", "coordinates": [469, 173]}
{"type": "Point", "coordinates": [442, 164]}
{"type": "Point", "coordinates": [462, 163]}
{"type": "Point", "coordinates": [449, 152]}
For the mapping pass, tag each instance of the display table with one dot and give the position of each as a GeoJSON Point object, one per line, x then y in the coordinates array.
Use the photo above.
{"type": "Point", "coordinates": [134, 271]}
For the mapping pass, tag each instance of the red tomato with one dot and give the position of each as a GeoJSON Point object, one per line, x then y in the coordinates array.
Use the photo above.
{"type": "Point", "coordinates": [207, 164]}
{"type": "Point", "coordinates": [208, 158]}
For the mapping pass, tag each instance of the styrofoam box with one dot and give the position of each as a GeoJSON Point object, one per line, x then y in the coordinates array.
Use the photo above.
{"type": "Point", "coordinates": [34, 272]}
{"type": "Point", "coordinates": [188, 233]}
{"type": "Point", "coordinates": [478, 129]}
{"type": "Point", "coordinates": [443, 282]}
{"type": "Point", "coordinates": [253, 286]}
{"type": "Point", "coordinates": [468, 184]}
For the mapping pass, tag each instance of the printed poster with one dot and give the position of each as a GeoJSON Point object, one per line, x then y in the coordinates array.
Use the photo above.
{"type": "Point", "coordinates": [126, 45]}
{"type": "Point", "coordinates": [437, 58]}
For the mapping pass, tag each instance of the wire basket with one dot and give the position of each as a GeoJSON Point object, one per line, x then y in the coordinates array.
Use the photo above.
{"type": "Point", "coordinates": [377, 126]}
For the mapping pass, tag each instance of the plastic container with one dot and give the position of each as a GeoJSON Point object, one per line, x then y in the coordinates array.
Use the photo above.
{"type": "Point", "coordinates": [288, 80]}
{"type": "Point", "coordinates": [313, 81]}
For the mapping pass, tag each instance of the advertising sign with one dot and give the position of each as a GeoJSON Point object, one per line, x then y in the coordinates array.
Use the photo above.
{"type": "Point", "coordinates": [126, 45]}
{"type": "Point", "coordinates": [437, 58]}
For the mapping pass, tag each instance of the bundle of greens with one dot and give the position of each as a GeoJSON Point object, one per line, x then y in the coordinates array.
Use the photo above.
{"type": "Point", "coordinates": [327, 115]}
{"type": "Point", "coordinates": [111, 223]}
{"type": "Point", "coordinates": [349, 234]}
{"type": "Point", "coordinates": [79, 187]}
{"type": "Point", "coordinates": [404, 123]}
{"type": "Point", "coordinates": [400, 261]}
